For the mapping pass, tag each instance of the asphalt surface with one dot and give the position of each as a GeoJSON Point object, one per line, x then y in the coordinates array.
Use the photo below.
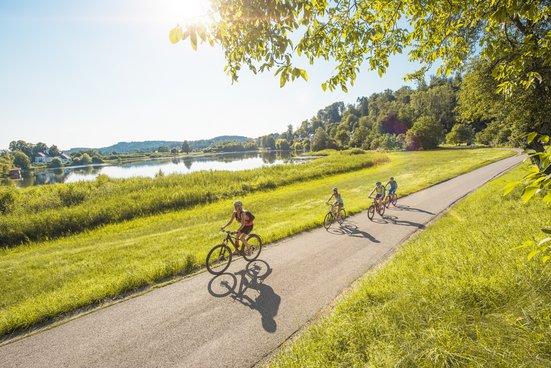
{"type": "Point", "coordinates": [240, 317]}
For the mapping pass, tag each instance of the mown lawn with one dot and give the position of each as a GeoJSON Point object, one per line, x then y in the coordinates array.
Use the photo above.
{"type": "Point", "coordinates": [42, 280]}
{"type": "Point", "coordinates": [457, 295]}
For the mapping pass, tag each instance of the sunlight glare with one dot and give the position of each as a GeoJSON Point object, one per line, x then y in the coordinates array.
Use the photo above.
{"type": "Point", "coordinates": [181, 11]}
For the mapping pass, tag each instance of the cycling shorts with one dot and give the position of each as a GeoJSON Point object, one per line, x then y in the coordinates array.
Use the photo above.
{"type": "Point", "coordinates": [379, 196]}
{"type": "Point", "coordinates": [392, 191]}
{"type": "Point", "coordinates": [247, 229]}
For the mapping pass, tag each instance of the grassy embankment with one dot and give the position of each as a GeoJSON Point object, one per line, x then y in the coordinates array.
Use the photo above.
{"type": "Point", "coordinates": [40, 213]}
{"type": "Point", "coordinates": [459, 294]}
{"type": "Point", "coordinates": [41, 280]}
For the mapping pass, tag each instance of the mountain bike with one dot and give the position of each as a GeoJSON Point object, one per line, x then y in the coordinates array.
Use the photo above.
{"type": "Point", "coordinates": [378, 206]}
{"type": "Point", "coordinates": [222, 253]}
{"type": "Point", "coordinates": [391, 199]}
{"type": "Point", "coordinates": [332, 216]}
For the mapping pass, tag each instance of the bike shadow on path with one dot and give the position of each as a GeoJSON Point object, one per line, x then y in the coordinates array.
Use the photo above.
{"type": "Point", "coordinates": [247, 286]}
{"type": "Point", "coordinates": [403, 207]}
{"type": "Point", "coordinates": [351, 229]}
{"type": "Point", "coordinates": [386, 219]}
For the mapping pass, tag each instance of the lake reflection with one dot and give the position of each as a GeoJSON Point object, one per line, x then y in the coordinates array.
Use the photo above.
{"type": "Point", "coordinates": [179, 165]}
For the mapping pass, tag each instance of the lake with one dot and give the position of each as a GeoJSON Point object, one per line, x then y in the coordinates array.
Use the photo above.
{"type": "Point", "coordinates": [151, 168]}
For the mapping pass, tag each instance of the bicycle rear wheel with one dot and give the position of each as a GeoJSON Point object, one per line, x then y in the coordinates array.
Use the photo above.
{"type": "Point", "coordinates": [341, 216]}
{"type": "Point", "coordinates": [217, 256]}
{"type": "Point", "coordinates": [371, 212]}
{"type": "Point", "coordinates": [328, 220]}
{"type": "Point", "coordinates": [387, 201]}
{"type": "Point", "coordinates": [255, 247]}
{"type": "Point", "coordinates": [395, 199]}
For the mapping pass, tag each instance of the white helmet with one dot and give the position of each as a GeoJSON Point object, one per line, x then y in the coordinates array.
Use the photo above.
{"type": "Point", "coordinates": [238, 203]}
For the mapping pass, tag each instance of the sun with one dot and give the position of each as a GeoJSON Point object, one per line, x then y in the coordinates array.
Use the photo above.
{"type": "Point", "coordinates": [183, 11]}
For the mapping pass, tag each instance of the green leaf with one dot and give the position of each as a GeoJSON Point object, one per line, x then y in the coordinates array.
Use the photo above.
{"type": "Point", "coordinates": [526, 244]}
{"type": "Point", "coordinates": [530, 137]}
{"type": "Point", "coordinates": [546, 229]}
{"type": "Point", "coordinates": [509, 187]}
{"type": "Point", "coordinates": [545, 258]}
{"type": "Point", "coordinates": [543, 241]}
{"type": "Point", "coordinates": [533, 253]}
{"type": "Point", "coordinates": [324, 86]}
{"type": "Point", "coordinates": [175, 34]}
{"type": "Point", "coordinates": [303, 74]}
{"type": "Point", "coordinates": [193, 39]}
{"type": "Point", "coordinates": [528, 193]}
{"type": "Point", "coordinates": [282, 80]}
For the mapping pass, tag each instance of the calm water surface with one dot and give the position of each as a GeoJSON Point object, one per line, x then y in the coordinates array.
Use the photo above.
{"type": "Point", "coordinates": [180, 165]}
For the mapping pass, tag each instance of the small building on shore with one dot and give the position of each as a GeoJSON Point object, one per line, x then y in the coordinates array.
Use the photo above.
{"type": "Point", "coordinates": [15, 173]}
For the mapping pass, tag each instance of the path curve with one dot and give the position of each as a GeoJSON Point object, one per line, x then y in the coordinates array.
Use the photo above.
{"type": "Point", "coordinates": [237, 319]}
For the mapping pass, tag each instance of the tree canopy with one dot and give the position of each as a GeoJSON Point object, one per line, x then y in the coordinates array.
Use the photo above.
{"type": "Point", "coordinates": [514, 36]}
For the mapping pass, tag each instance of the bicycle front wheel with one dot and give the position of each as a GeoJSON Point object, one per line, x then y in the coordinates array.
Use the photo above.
{"type": "Point", "coordinates": [381, 209]}
{"type": "Point", "coordinates": [341, 216]}
{"type": "Point", "coordinates": [252, 252]}
{"type": "Point", "coordinates": [371, 212]}
{"type": "Point", "coordinates": [216, 258]}
{"type": "Point", "coordinates": [328, 220]}
{"type": "Point", "coordinates": [387, 201]}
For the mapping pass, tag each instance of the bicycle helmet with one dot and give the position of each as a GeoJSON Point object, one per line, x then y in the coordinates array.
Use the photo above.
{"type": "Point", "coordinates": [238, 203]}
{"type": "Point", "coordinates": [334, 189]}
{"type": "Point", "coordinates": [392, 178]}
{"type": "Point", "coordinates": [378, 183]}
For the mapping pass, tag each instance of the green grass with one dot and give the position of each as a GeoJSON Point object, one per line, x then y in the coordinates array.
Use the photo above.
{"type": "Point", "coordinates": [457, 295]}
{"type": "Point", "coordinates": [42, 280]}
{"type": "Point", "coordinates": [45, 212]}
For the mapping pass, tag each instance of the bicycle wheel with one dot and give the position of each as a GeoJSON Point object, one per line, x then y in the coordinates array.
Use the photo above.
{"type": "Point", "coordinates": [381, 209]}
{"type": "Point", "coordinates": [394, 200]}
{"type": "Point", "coordinates": [387, 201]}
{"type": "Point", "coordinates": [341, 216]}
{"type": "Point", "coordinates": [255, 243]}
{"type": "Point", "coordinates": [371, 212]}
{"type": "Point", "coordinates": [217, 256]}
{"type": "Point", "coordinates": [328, 220]}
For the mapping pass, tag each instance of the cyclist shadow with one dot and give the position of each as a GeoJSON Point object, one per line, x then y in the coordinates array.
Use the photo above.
{"type": "Point", "coordinates": [402, 207]}
{"type": "Point", "coordinates": [396, 221]}
{"type": "Point", "coordinates": [352, 230]}
{"type": "Point", "coordinates": [241, 284]}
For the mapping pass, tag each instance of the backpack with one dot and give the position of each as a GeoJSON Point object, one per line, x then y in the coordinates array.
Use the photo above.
{"type": "Point", "coordinates": [251, 216]}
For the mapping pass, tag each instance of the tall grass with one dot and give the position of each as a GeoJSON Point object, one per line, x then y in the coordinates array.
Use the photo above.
{"type": "Point", "coordinates": [44, 212]}
{"type": "Point", "coordinates": [458, 295]}
{"type": "Point", "coordinates": [41, 280]}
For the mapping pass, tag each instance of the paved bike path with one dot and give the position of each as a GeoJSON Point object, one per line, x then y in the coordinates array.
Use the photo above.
{"type": "Point", "coordinates": [238, 318]}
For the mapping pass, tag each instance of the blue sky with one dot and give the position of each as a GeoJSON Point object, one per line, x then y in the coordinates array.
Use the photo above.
{"type": "Point", "coordinates": [90, 74]}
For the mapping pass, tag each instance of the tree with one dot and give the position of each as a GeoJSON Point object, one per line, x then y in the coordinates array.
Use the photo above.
{"type": "Point", "coordinates": [320, 140]}
{"type": "Point", "coordinates": [163, 149]}
{"type": "Point", "coordinates": [21, 160]}
{"type": "Point", "coordinates": [263, 35]}
{"type": "Point", "coordinates": [282, 145]}
{"type": "Point", "coordinates": [426, 131]}
{"type": "Point", "coordinates": [460, 133]}
{"type": "Point", "coordinates": [6, 163]}
{"type": "Point", "coordinates": [55, 163]}
{"type": "Point", "coordinates": [174, 151]}
{"type": "Point", "coordinates": [26, 148]}
{"type": "Point", "coordinates": [54, 151]}
{"type": "Point", "coordinates": [85, 159]}
{"type": "Point", "coordinates": [186, 147]}
{"type": "Point", "coordinates": [39, 148]}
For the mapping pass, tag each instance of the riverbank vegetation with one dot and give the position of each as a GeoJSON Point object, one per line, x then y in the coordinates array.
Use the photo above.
{"type": "Point", "coordinates": [50, 211]}
{"type": "Point", "coordinates": [459, 294]}
{"type": "Point", "coordinates": [41, 280]}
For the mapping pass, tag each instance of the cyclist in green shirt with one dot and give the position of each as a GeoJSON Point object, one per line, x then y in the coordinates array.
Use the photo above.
{"type": "Point", "coordinates": [380, 192]}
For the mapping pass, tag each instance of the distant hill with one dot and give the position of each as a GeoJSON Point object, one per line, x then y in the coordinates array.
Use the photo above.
{"type": "Point", "coordinates": [129, 147]}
